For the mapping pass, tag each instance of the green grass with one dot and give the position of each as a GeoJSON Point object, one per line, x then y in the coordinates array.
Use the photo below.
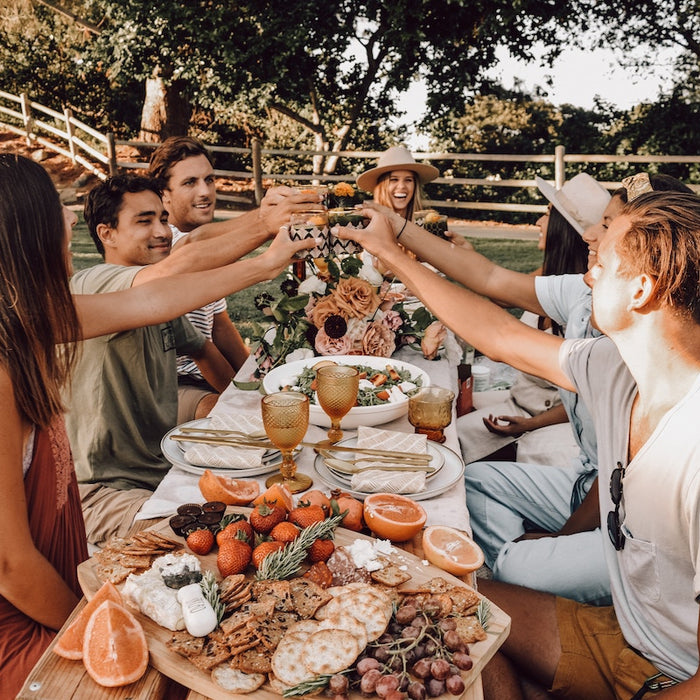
{"type": "Point", "coordinates": [522, 256]}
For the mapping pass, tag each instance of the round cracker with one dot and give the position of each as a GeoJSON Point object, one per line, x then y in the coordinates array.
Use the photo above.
{"type": "Point", "coordinates": [330, 651]}
{"type": "Point", "coordinates": [372, 615]}
{"type": "Point", "coordinates": [287, 661]}
{"type": "Point", "coordinates": [235, 681]}
{"type": "Point", "coordinates": [347, 621]}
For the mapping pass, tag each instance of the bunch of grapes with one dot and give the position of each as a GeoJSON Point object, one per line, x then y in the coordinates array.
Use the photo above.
{"type": "Point", "coordinates": [417, 657]}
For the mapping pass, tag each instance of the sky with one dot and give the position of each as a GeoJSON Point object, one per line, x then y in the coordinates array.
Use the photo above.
{"type": "Point", "coordinates": [578, 77]}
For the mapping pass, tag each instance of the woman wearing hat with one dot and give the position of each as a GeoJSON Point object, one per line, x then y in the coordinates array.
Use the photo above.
{"type": "Point", "coordinates": [396, 180]}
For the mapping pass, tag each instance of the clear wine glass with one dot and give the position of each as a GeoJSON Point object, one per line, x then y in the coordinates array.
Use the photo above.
{"type": "Point", "coordinates": [336, 391]}
{"type": "Point", "coordinates": [285, 416]}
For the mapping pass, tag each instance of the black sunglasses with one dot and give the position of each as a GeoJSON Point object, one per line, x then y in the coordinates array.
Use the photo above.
{"type": "Point", "coordinates": [614, 530]}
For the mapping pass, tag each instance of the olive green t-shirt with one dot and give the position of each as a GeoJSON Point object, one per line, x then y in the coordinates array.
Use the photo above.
{"type": "Point", "coordinates": [123, 397]}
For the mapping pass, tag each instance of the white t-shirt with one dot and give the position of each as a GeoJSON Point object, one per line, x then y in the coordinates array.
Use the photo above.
{"type": "Point", "coordinates": [655, 578]}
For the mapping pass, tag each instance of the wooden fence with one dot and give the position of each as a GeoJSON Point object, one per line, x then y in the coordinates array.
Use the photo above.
{"type": "Point", "coordinates": [36, 122]}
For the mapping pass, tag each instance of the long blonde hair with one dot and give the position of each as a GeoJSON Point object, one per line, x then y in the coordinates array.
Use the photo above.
{"type": "Point", "coordinates": [381, 193]}
{"type": "Point", "coordinates": [37, 314]}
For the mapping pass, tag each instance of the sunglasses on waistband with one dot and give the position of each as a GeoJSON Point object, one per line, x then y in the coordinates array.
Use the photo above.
{"type": "Point", "coordinates": [617, 537]}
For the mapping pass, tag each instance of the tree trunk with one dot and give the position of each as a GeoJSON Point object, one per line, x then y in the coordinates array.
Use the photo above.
{"type": "Point", "coordinates": [166, 111]}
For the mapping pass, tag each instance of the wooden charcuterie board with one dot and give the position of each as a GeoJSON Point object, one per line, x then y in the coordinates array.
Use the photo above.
{"type": "Point", "coordinates": [184, 672]}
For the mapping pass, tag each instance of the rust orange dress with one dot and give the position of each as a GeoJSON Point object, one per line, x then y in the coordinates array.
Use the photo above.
{"type": "Point", "coordinates": [58, 531]}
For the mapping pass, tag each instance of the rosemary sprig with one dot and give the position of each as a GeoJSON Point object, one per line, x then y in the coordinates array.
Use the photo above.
{"type": "Point", "coordinates": [483, 613]}
{"type": "Point", "coordinates": [318, 683]}
{"type": "Point", "coordinates": [286, 562]}
{"type": "Point", "coordinates": [210, 589]}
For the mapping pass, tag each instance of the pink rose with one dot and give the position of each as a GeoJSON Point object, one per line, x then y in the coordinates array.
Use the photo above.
{"type": "Point", "coordinates": [392, 320]}
{"type": "Point", "coordinates": [433, 338]}
{"type": "Point", "coordinates": [325, 345]}
{"type": "Point", "coordinates": [378, 340]}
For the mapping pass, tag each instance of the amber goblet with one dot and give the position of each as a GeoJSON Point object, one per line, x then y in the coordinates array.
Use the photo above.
{"type": "Point", "coordinates": [430, 411]}
{"type": "Point", "coordinates": [336, 391]}
{"type": "Point", "coordinates": [285, 416]}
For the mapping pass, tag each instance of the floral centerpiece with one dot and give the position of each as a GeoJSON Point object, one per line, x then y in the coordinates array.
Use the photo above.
{"type": "Point", "coordinates": [344, 307]}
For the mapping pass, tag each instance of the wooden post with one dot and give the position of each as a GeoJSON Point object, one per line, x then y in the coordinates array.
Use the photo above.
{"type": "Point", "coordinates": [68, 116]}
{"type": "Point", "coordinates": [257, 171]}
{"type": "Point", "coordinates": [559, 167]}
{"type": "Point", "coordinates": [27, 117]}
{"type": "Point", "coordinates": [111, 154]}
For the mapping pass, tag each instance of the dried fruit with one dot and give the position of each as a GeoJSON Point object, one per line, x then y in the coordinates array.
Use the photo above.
{"type": "Point", "coordinates": [304, 515]}
{"type": "Point", "coordinates": [265, 516]}
{"type": "Point", "coordinates": [321, 550]}
{"type": "Point", "coordinates": [233, 557]}
{"type": "Point", "coordinates": [200, 541]}
{"type": "Point", "coordinates": [233, 492]}
{"type": "Point", "coordinates": [263, 549]}
{"type": "Point", "coordinates": [284, 532]}
{"type": "Point", "coordinates": [278, 494]}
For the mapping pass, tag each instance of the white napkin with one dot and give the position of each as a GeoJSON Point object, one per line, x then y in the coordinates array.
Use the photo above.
{"type": "Point", "coordinates": [222, 456]}
{"type": "Point", "coordinates": [383, 481]}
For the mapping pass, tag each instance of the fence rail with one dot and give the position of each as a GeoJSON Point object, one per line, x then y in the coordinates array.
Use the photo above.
{"type": "Point", "coordinates": [98, 154]}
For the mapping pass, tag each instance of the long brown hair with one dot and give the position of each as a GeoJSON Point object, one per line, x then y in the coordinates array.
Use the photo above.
{"type": "Point", "coordinates": [37, 314]}
{"type": "Point", "coordinates": [381, 193]}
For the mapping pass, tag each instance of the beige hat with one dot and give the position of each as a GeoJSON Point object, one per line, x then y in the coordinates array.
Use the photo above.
{"type": "Point", "coordinates": [396, 158]}
{"type": "Point", "coordinates": [581, 201]}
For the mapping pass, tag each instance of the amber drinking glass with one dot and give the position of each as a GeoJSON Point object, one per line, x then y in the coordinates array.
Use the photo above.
{"type": "Point", "coordinates": [285, 416]}
{"type": "Point", "coordinates": [336, 391]}
{"type": "Point", "coordinates": [430, 412]}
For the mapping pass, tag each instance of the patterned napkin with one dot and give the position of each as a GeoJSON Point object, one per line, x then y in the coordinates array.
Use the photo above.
{"type": "Point", "coordinates": [383, 481]}
{"type": "Point", "coordinates": [225, 457]}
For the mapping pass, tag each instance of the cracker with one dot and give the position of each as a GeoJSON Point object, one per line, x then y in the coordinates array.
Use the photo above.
{"type": "Point", "coordinates": [463, 598]}
{"type": "Point", "coordinates": [185, 644]}
{"type": "Point", "coordinates": [329, 651]}
{"type": "Point", "coordinates": [390, 575]}
{"type": "Point", "coordinates": [113, 572]}
{"type": "Point", "coordinates": [254, 660]}
{"type": "Point", "coordinates": [278, 591]}
{"type": "Point", "coordinates": [347, 621]}
{"type": "Point", "coordinates": [287, 661]}
{"type": "Point", "coordinates": [469, 629]}
{"type": "Point", "coordinates": [213, 654]}
{"type": "Point", "coordinates": [307, 596]}
{"type": "Point", "coordinates": [270, 630]}
{"type": "Point", "coordinates": [235, 681]}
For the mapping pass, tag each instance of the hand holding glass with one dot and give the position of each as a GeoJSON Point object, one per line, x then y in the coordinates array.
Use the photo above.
{"type": "Point", "coordinates": [336, 391]}
{"type": "Point", "coordinates": [285, 416]}
{"type": "Point", "coordinates": [430, 412]}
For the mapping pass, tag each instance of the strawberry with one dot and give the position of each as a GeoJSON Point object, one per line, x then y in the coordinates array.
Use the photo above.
{"type": "Point", "coordinates": [304, 515]}
{"type": "Point", "coordinates": [265, 516]}
{"type": "Point", "coordinates": [263, 549]}
{"type": "Point", "coordinates": [233, 557]}
{"type": "Point", "coordinates": [231, 529]}
{"type": "Point", "coordinates": [200, 541]}
{"type": "Point", "coordinates": [284, 532]}
{"type": "Point", "coordinates": [320, 550]}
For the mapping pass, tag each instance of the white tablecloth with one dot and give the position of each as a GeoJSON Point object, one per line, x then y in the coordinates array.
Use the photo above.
{"type": "Point", "coordinates": [448, 508]}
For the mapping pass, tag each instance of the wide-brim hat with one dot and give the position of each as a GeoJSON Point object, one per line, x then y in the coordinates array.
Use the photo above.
{"type": "Point", "coordinates": [581, 201]}
{"type": "Point", "coordinates": [396, 158]}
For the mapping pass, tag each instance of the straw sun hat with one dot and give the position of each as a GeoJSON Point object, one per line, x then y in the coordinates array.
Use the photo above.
{"type": "Point", "coordinates": [396, 158]}
{"type": "Point", "coordinates": [581, 201]}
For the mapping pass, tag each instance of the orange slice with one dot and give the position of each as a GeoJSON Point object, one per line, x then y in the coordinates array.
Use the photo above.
{"type": "Point", "coordinates": [395, 517]}
{"type": "Point", "coordinates": [452, 550]}
{"type": "Point", "coordinates": [115, 652]}
{"type": "Point", "coordinates": [279, 494]}
{"type": "Point", "coordinates": [232, 492]}
{"type": "Point", "coordinates": [70, 643]}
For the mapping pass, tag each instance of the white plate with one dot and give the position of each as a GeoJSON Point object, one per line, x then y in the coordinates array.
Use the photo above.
{"type": "Point", "coordinates": [285, 375]}
{"type": "Point", "coordinates": [174, 453]}
{"type": "Point", "coordinates": [437, 461]}
{"type": "Point", "coordinates": [448, 476]}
